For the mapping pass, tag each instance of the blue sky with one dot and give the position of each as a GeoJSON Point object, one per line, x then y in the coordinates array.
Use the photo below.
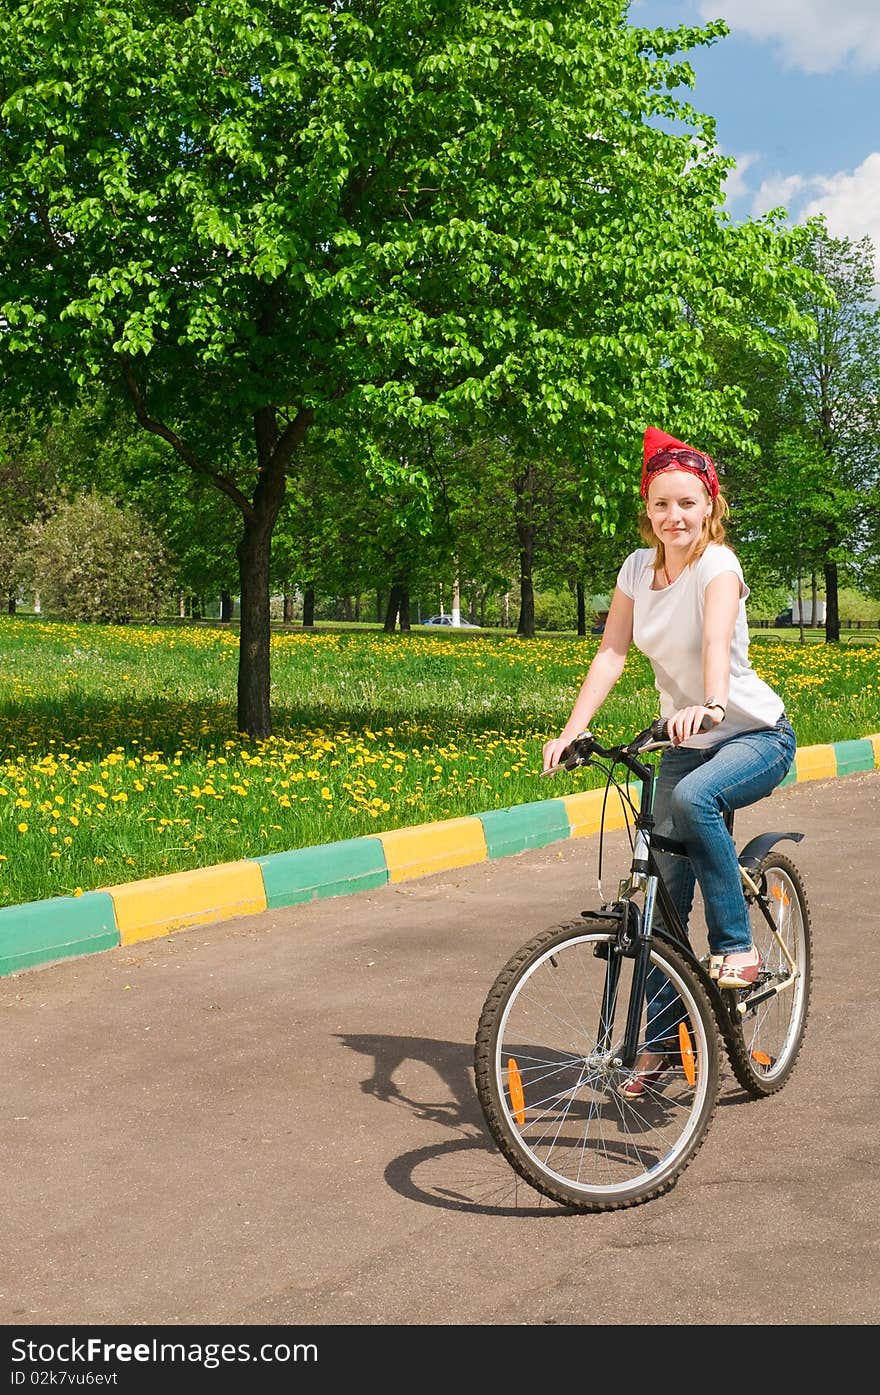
{"type": "Point", "coordinates": [795, 93]}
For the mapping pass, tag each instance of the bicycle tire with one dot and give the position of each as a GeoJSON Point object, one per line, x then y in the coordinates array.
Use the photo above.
{"type": "Point", "coordinates": [549, 1091]}
{"type": "Point", "coordinates": [763, 1046]}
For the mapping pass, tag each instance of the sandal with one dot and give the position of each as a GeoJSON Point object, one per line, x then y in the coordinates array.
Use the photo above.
{"type": "Point", "coordinates": [742, 975]}
{"type": "Point", "coordinates": [638, 1085]}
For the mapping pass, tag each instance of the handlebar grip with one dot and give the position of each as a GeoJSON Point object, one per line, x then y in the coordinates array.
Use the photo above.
{"type": "Point", "coordinates": [659, 728]}
{"type": "Point", "coordinates": [577, 752]}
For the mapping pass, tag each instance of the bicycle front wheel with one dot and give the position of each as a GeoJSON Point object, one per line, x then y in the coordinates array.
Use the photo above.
{"type": "Point", "coordinates": [548, 1070]}
{"type": "Point", "coordinates": [768, 1021]}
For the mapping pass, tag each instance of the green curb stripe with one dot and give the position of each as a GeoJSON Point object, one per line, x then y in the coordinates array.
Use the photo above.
{"type": "Point", "coordinates": [330, 869]}
{"type": "Point", "coordinates": [525, 826]}
{"type": "Point", "coordinates": [852, 756]}
{"type": "Point", "coordinates": [790, 779]}
{"type": "Point", "coordinates": [57, 928]}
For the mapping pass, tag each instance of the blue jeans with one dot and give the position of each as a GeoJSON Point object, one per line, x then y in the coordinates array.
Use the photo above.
{"type": "Point", "coordinates": [694, 790]}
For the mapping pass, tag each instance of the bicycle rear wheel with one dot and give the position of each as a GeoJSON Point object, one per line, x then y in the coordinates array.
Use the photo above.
{"type": "Point", "coordinates": [764, 1043]}
{"type": "Point", "coordinates": [548, 1071]}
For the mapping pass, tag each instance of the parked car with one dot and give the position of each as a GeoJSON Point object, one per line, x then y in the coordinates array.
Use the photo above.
{"type": "Point", "coordinates": [448, 620]}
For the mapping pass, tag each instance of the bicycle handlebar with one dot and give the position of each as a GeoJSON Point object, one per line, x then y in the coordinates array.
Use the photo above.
{"type": "Point", "coordinates": [584, 747]}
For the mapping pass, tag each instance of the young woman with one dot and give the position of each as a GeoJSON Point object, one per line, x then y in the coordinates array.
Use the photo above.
{"type": "Point", "coordinates": [681, 600]}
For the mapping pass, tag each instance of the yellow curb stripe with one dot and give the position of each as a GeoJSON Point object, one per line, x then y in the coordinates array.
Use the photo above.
{"type": "Point", "coordinates": [159, 906]}
{"type": "Point", "coordinates": [584, 810]}
{"type": "Point", "coordinates": [433, 847]}
{"type": "Point", "coordinates": [875, 742]}
{"type": "Point", "coordinates": [815, 763]}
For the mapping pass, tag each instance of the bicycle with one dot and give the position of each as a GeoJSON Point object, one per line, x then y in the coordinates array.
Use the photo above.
{"type": "Point", "coordinates": [566, 1017]}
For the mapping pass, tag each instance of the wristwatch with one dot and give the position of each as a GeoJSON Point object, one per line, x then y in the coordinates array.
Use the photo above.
{"type": "Point", "coordinates": [715, 702]}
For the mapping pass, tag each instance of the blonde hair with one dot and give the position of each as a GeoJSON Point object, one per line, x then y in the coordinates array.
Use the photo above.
{"type": "Point", "coordinates": [713, 532]}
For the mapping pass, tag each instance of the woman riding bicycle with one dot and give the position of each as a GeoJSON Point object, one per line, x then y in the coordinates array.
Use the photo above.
{"type": "Point", "coordinates": [681, 600]}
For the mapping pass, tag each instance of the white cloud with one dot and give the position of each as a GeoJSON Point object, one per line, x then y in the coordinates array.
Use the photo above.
{"type": "Point", "coordinates": [849, 201]}
{"type": "Point", "coordinates": [815, 35]}
{"type": "Point", "coordinates": [735, 183]}
{"type": "Point", "coordinates": [780, 190]}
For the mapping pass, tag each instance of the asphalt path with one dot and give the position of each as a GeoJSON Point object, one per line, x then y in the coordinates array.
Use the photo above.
{"type": "Point", "coordinates": [272, 1121]}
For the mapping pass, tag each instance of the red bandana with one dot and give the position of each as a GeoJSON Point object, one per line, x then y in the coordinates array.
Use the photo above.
{"type": "Point", "coordinates": [658, 442]}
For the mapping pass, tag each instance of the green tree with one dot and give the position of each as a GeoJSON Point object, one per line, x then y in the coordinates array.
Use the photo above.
{"type": "Point", "coordinates": [252, 218]}
{"type": "Point", "coordinates": [13, 572]}
{"type": "Point", "coordinates": [44, 452]}
{"type": "Point", "coordinates": [94, 560]}
{"type": "Point", "coordinates": [809, 507]}
{"type": "Point", "coordinates": [835, 390]}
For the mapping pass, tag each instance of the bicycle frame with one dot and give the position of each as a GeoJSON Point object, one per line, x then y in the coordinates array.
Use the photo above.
{"type": "Point", "coordinates": [636, 925]}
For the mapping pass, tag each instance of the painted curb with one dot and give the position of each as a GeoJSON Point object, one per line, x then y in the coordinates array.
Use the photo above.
{"type": "Point", "coordinates": [330, 869]}
{"type": "Point", "coordinates": [146, 910]}
{"type": "Point", "coordinates": [41, 932]}
{"type": "Point", "coordinates": [49, 931]}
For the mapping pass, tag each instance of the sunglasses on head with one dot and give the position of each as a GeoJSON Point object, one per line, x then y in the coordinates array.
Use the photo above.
{"type": "Point", "coordinates": [664, 458]}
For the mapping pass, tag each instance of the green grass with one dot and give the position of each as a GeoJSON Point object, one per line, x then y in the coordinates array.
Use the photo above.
{"type": "Point", "coordinates": [120, 758]}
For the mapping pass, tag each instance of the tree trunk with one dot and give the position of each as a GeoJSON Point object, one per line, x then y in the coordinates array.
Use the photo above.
{"type": "Point", "coordinates": [287, 604]}
{"type": "Point", "coordinates": [832, 613]}
{"type": "Point", "coordinates": [254, 716]}
{"type": "Point", "coordinates": [800, 606]}
{"type": "Point", "coordinates": [389, 623]}
{"type": "Point", "coordinates": [526, 626]}
{"type": "Point", "coordinates": [814, 598]}
{"type": "Point", "coordinates": [309, 608]}
{"type": "Point", "coordinates": [398, 606]}
{"type": "Point", "coordinates": [582, 609]}
{"type": "Point", "coordinates": [10, 603]}
{"type": "Point", "coordinates": [225, 606]}
{"type": "Point", "coordinates": [254, 556]}
{"type": "Point", "coordinates": [275, 450]}
{"type": "Point", "coordinates": [526, 534]}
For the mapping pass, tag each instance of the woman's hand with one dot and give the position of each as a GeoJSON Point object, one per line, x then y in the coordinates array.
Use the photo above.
{"type": "Point", "coordinates": [552, 751]}
{"type": "Point", "coordinates": [687, 721]}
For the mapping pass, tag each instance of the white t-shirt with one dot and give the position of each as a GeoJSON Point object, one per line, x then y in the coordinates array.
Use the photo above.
{"type": "Point", "coordinates": [668, 629]}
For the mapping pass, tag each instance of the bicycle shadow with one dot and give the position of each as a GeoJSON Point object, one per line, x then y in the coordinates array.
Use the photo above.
{"type": "Point", "coordinates": [466, 1173]}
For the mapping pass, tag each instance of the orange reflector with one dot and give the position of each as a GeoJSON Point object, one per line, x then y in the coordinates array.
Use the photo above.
{"type": "Point", "coordinates": [517, 1098]}
{"type": "Point", "coordinates": [781, 894]}
{"type": "Point", "coordinates": [761, 1057]}
{"type": "Point", "coordinates": [685, 1046]}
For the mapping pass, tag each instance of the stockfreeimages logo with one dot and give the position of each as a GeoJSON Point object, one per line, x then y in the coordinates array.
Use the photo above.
{"type": "Point", "coordinates": [41, 1357]}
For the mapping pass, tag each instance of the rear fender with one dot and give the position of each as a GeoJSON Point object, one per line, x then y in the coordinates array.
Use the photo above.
{"type": "Point", "coordinates": [756, 849]}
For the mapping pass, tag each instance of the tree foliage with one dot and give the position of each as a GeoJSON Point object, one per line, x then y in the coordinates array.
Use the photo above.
{"type": "Point", "coordinates": [97, 561]}
{"type": "Point", "coordinates": [812, 504]}
{"type": "Point", "coordinates": [253, 218]}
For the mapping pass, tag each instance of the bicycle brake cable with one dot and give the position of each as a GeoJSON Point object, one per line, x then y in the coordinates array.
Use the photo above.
{"type": "Point", "coordinates": [628, 807]}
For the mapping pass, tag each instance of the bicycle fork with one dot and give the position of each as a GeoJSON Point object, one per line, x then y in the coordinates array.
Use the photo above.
{"type": "Point", "coordinates": [633, 942]}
